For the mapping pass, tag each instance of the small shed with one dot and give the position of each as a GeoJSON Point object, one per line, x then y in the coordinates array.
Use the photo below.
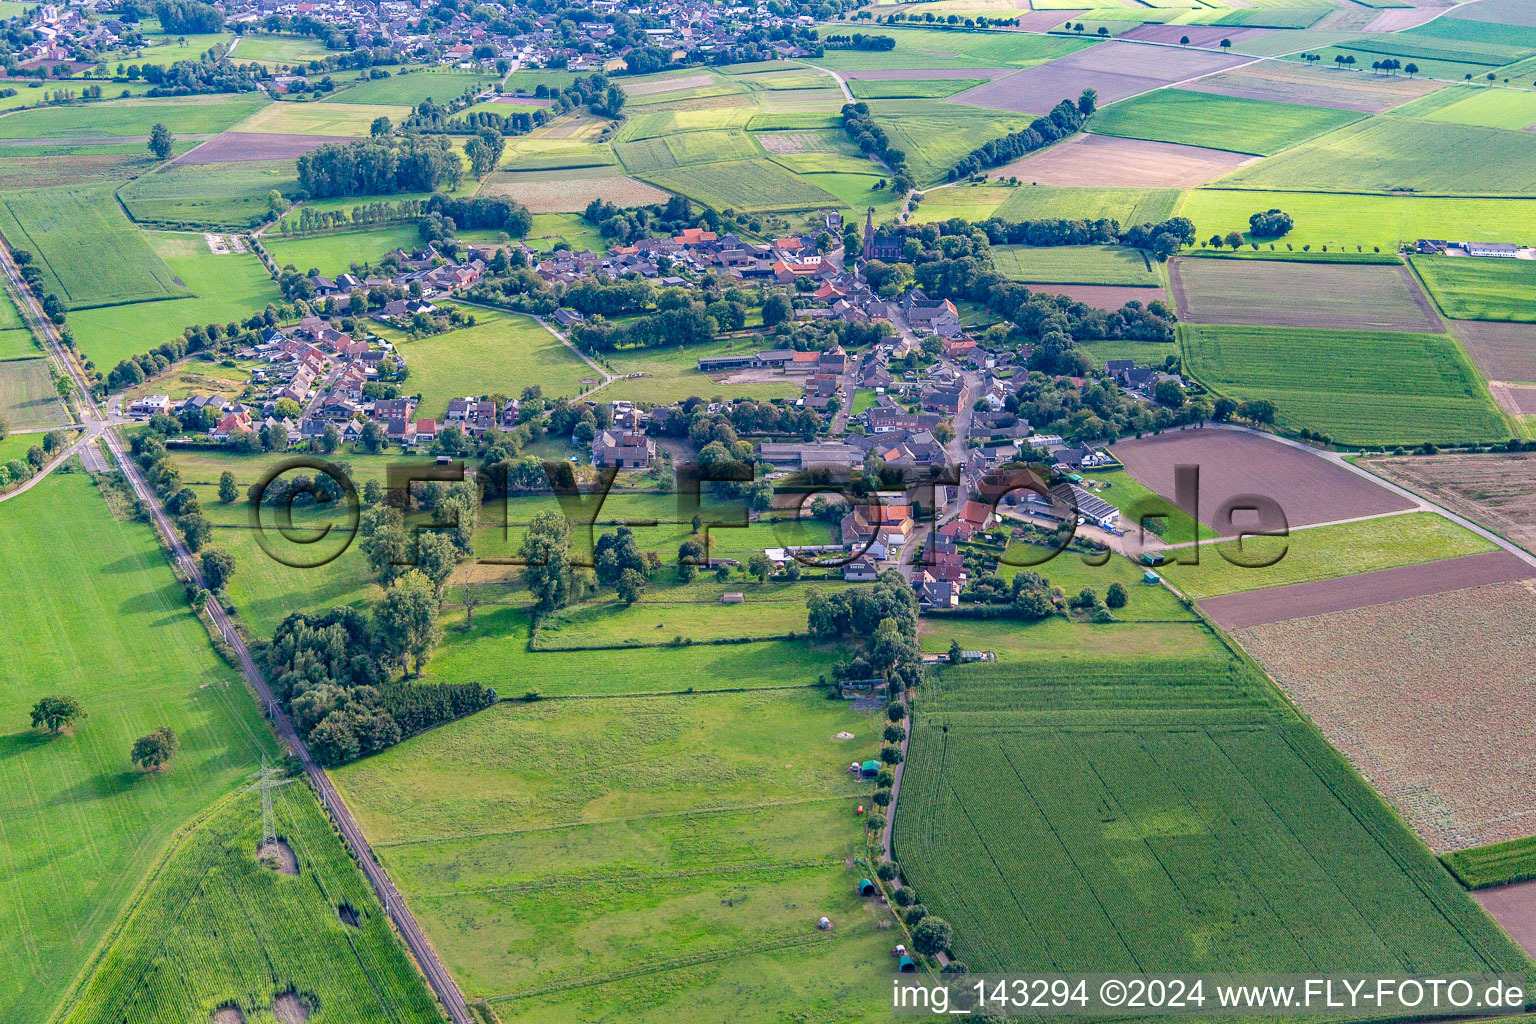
{"type": "Point", "coordinates": [1151, 577]}
{"type": "Point", "coordinates": [732, 597]}
{"type": "Point", "coordinates": [866, 887]}
{"type": "Point", "coordinates": [869, 769]}
{"type": "Point", "coordinates": [906, 965]}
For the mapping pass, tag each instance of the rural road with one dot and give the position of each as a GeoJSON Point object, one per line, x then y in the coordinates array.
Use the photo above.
{"type": "Point", "coordinates": [99, 425]}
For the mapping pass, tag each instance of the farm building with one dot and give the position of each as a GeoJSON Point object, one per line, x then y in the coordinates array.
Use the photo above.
{"type": "Point", "coordinates": [866, 887]}
{"type": "Point", "coordinates": [1496, 250]}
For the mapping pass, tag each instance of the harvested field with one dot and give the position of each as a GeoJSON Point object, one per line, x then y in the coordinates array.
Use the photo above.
{"type": "Point", "coordinates": [1504, 12]}
{"type": "Point", "coordinates": [1503, 351]}
{"type": "Point", "coordinates": [1104, 296]}
{"type": "Point", "coordinates": [1116, 69]}
{"type": "Point", "coordinates": [660, 85]}
{"type": "Point", "coordinates": [1495, 490]}
{"type": "Point", "coordinates": [559, 192]}
{"type": "Point", "coordinates": [1198, 35]}
{"type": "Point", "coordinates": [1345, 593]}
{"type": "Point", "coordinates": [252, 147]}
{"type": "Point", "coordinates": [1398, 18]}
{"type": "Point", "coordinates": [1107, 162]}
{"type": "Point", "coordinates": [1516, 401]}
{"type": "Point", "coordinates": [1269, 292]}
{"type": "Point", "coordinates": [1514, 907]}
{"type": "Point", "coordinates": [1289, 83]}
{"type": "Point", "coordinates": [1445, 734]}
{"type": "Point", "coordinates": [1310, 489]}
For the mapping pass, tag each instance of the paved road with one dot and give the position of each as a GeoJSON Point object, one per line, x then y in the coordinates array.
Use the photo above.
{"type": "Point", "coordinates": [98, 425]}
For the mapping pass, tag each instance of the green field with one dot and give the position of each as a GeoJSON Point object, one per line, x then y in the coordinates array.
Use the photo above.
{"type": "Point", "coordinates": [218, 928]}
{"type": "Point", "coordinates": [223, 288]}
{"type": "Point", "coordinates": [757, 185]}
{"type": "Point", "coordinates": [107, 622]}
{"type": "Point", "coordinates": [219, 195]}
{"type": "Point", "coordinates": [558, 877]}
{"type": "Point", "coordinates": [410, 89]}
{"type": "Point", "coordinates": [1075, 264]}
{"type": "Point", "coordinates": [90, 253]}
{"type": "Point", "coordinates": [660, 153]}
{"type": "Point", "coordinates": [190, 115]}
{"type": "Point", "coordinates": [936, 134]}
{"type": "Point", "coordinates": [165, 50]}
{"type": "Point", "coordinates": [1496, 864]}
{"type": "Point", "coordinates": [1093, 812]}
{"type": "Point", "coordinates": [1326, 552]}
{"type": "Point", "coordinates": [910, 88]}
{"type": "Point", "coordinates": [1218, 122]}
{"type": "Point", "coordinates": [650, 624]}
{"type": "Point", "coordinates": [1400, 154]}
{"type": "Point", "coordinates": [28, 398]}
{"type": "Point", "coordinates": [1480, 289]}
{"type": "Point", "coordinates": [502, 352]}
{"type": "Point", "coordinates": [1348, 221]}
{"type": "Point", "coordinates": [1126, 205]}
{"type": "Point", "coordinates": [320, 118]}
{"type": "Point", "coordinates": [334, 253]}
{"type": "Point", "coordinates": [1360, 387]}
{"type": "Point", "coordinates": [937, 48]}
{"type": "Point", "coordinates": [1492, 108]}
{"type": "Point", "coordinates": [268, 47]}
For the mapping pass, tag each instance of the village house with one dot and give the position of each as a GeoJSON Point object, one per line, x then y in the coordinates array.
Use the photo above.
{"type": "Point", "coordinates": [622, 450]}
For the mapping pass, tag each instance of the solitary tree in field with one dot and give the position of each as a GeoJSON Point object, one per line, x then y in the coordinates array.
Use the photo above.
{"type": "Point", "coordinates": [1226, 44]}
{"type": "Point", "coordinates": [380, 126]}
{"type": "Point", "coordinates": [1103, 31]}
{"type": "Point", "coordinates": [54, 713]}
{"type": "Point", "coordinates": [160, 142]}
{"type": "Point", "coordinates": [156, 750]}
{"type": "Point", "coordinates": [1183, 40]}
{"type": "Point", "coordinates": [1412, 69]}
{"type": "Point", "coordinates": [227, 491]}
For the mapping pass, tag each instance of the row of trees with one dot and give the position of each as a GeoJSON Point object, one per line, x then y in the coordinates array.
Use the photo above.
{"type": "Point", "coordinates": [863, 132]}
{"type": "Point", "coordinates": [1064, 119]}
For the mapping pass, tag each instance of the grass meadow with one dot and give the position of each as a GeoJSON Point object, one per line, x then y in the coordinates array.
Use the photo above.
{"type": "Point", "coordinates": [503, 352]}
{"type": "Point", "coordinates": [333, 254]}
{"type": "Point", "coordinates": [219, 195]}
{"type": "Point", "coordinates": [1126, 205]}
{"type": "Point", "coordinates": [28, 397]}
{"type": "Point", "coordinates": [320, 118]}
{"type": "Point", "coordinates": [939, 48]}
{"type": "Point", "coordinates": [1324, 552]}
{"type": "Point", "coordinates": [1259, 127]}
{"type": "Point", "coordinates": [1359, 387]}
{"type": "Point", "coordinates": [223, 288]}
{"type": "Point", "coordinates": [1343, 222]}
{"type": "Point", "coordinates": [1075, 264]}
{"type": "Point", "coordinates": [936, 134]}
{"type": "Point", "coordinates": [271, 47]}
{"type": "Point", "coordinates": [187, 115]}
{"type": "Point", "coordinates": [105, 621]}
{"type": "Point", "coordinates": [1480, 289]}
{"type": "Point", "coordinates": [407, 90]}
{"type": "Point", "coordinates": [217, 928]}
{"type": "Point", "coordinates": [671, 375]}
{"type": "Point", "coordinates": [756, 185]}
{"type": "Point", "coordinates": [89, 252]}
{"type": "Point", "coordinates": [664, 855]}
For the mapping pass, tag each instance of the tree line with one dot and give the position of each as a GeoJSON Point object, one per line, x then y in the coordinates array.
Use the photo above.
{"type": "Point", "coordinates": [380, 166]}
{"type": "Point", "coordinates": [1064, 119]}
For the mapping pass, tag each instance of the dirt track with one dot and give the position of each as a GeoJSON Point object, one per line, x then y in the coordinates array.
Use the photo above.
{"type": "Point", "coordinates": [1345, 593]}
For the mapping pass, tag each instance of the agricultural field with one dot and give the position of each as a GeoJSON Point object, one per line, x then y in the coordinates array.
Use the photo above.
{"type": "Point", "coordinates": [340, 119]}
{"type": "Point", "coordinates": [653, 625]}
{"type": "Point", "coordinates": [1288, 294]}
{"type": "Point", "coordinates": [757, 185]}
{"type": "Point", "coordinates": [1490, 108]}
{"type": "Point", "coordinates": [1138, 843]}
{"type": "Point", "coordinates": [1260, 127]}
{"type": "Point", "coordinates": [107, 621]}
{"type": "Point", "coordinates": [1436, 395]}
{"type": "Point", "coordinates": [217, 928]}
{"type": "Point", "coordinates": [936, 134]}
{"type": "Point", "coordinates": [570, 191]}
{"type": "Point", "coordinates": [225, 195]}
{"type": "Point", "coordinates": [1353, 223]}
{"type": "Point", "coordinates": [221, 288]}
{"type": "Point", "coordinates": [1480, 289]}
{"type": "Point", "coordinates": [1128, 206]}
{"type": "Point", "coordinates": [1109, 162]}
{"type": "Point", "coordinates": [926, 48]}
{"type": "Point", "coordinates": [503, 352]}
{"type": "Point", "coordinates": [188, 115]}
{"type": "Point", "coordinates": [272, 48]}
{"type": "Point", "coordinates": [1075, 264]}
{"type": "Point", "coordinates": [28, 398]}
{"type": "Point", "coordinates": [709, 880]}
{"type": "Point", "coordinates": [910, 88]}
{"type": "Point", "coordinates": [1316, 87]}
{"type": "Point", "coordinates": [1455, 690]}
{"type": "Point", "coordinates": [1400, 154]}
{"type": "Point", "coordinates": [406, 90]}
{"type": "Point", "coordinates": [1494, 491]}
{"type": "Point", "coordinates": [1322, 552]}
{"type": "Point", "coordinates": [90, 253]}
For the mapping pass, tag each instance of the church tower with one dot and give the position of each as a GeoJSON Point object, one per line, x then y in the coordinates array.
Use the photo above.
{"type": "Point", "coordinates": [869, 234]}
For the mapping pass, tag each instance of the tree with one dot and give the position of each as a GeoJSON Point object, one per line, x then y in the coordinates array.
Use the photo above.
{"type": "Point", "coordinates": [631, 585]}
{"type": "Point", "coordinates": [1226, 44]}
{"type": "Point", "coordinates": [759, 565]}
{"type": "Point", "coordinates": [1115, 596]}
{"type": "Point", "coordinates": [895, 711]}
{"type": "Point", "coordinates": [1258, 410]}
{"type": "Point", "coordinates": [1223, 410]}
{"type": "Point", "coordinates": [406, 620]}
{"type": "Point", "coordinates": [546, 551]}
{"type": "Point", "coordinates": [380, 127]}
{"type": "Point", "coordinates": [1103, 31]}
{"type": "Point", "coordinates": [156, 750]}
{"type": "Point", "coordinates": [776, 309]}
{"type": "Point", "coordinates": [1412, 69]}
{"type": "Point", "coordinates": [932, 935]}
{"type": "Point", "coordinates": [943, 433]}
{"type": "Point", "coordinates": [54, 713]}
{"type": "Point", "coordinates": [1088, 102]}
{"type": "Point", "coordinates": [227, 490]}
{"type": "Point", "coordinates": [1272, 223]}
{"type": "Point", "coordinates": [218, 567]}
{"type": "Point", "coordinates": [160, 141]}
{"type": "Point", "coordinates": [1183, 40]}
{"type": "Point", "coordinates": [955, 653]}
{"type": "Point", "coordinates": [373, 438]}
{"type": "Point", "coordinates": [690, 555]}
{"type": "Point", "coordinates": [1169, 393]}
{"type": "Point", "coordinates": [1234, 239]}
